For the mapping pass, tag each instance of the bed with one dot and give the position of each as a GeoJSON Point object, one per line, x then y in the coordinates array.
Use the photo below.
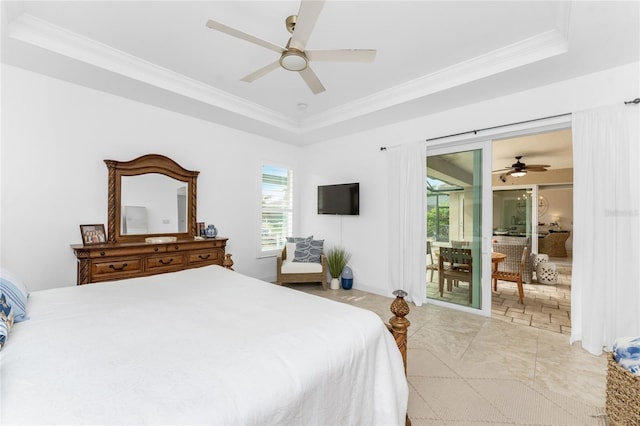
{"type": "Point", "coordinates": [199, 346]}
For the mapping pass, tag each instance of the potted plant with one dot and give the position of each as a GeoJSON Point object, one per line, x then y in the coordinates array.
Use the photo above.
{"type": "Point", "coordinates": [337, 259]}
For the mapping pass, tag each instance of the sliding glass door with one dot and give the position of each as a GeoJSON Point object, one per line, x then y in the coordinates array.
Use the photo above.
{"type": "Point", "coordinates": [458, 213]}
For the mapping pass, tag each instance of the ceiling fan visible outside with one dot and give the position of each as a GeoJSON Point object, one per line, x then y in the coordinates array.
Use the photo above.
{"type": "Point", "coordinates": [294, 57]}
{"type": "Point", "coordinates": [519, 169]}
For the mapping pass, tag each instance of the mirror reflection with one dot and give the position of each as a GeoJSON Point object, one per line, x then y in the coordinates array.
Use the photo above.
{"type": "Point", "coordinates": [153, 204]}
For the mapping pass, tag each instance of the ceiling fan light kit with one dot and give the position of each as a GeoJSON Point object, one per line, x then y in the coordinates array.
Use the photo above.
{"type": "Point", "coordinates": [519, 169]}
{"type": "Point", "coordinates": [294, 60]}
{"type": "Point", "coordinates": [294, 56]}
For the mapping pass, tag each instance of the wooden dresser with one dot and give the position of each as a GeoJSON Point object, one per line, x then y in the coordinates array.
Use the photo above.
{"type": "Point", "coordinates": [115, 261]}
{"type": "Point", "coordinates": [126, 254]}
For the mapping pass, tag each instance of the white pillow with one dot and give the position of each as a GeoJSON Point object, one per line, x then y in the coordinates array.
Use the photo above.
{"type": "Point", "coordinates": [291, 251]}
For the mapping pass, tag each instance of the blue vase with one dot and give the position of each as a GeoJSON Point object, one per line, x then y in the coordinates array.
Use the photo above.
{"type": "Point", "coordinates": [211, 231]}
{"type": "Point", "coordinates": [347, 283]}
{"type": "Point", "coordinates": [347, 278]}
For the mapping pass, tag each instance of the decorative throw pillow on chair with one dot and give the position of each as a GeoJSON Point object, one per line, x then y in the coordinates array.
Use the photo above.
{"type": "Point", "coordinates": [298, 239]}
{"type": "Point", "coordinates": [308, 251]}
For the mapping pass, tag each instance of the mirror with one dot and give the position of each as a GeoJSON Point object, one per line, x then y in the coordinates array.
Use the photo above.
{"type": "Point", "coordinates": [150, 196]}
{"type": "Point", "coordinates": [153, 204]}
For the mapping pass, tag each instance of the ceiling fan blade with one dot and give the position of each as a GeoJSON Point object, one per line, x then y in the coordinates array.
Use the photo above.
{"type": "Point", "coordinates": [243, 36]}
{"type": "Point", "coordinates": [506, 169]}
{"type": "Point", "coordinates": [312, 80]}
{"type": "Point", "coordinates": [536, 168]}
{"type": "Point", "coordinates": [342, 55]}
{"type": "Point", "coordinates": [261, 72]}
{"type": "Point", "coordinates": [537, 165]}
{"type": "Point", "coordinates": [307, 17]}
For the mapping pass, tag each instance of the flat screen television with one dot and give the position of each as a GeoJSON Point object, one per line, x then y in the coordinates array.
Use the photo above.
{"type": "Point", "coordinates": [343, 199]}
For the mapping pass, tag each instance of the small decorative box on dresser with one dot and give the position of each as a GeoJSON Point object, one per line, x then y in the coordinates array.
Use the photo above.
{"type": "Point", "coordinates": [108, 262]}
{"type": "Point", "coordinates": [144, 235]}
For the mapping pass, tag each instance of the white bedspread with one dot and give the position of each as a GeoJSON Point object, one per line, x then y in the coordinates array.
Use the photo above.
{"type": "Point", "coordinates": [201, 346]}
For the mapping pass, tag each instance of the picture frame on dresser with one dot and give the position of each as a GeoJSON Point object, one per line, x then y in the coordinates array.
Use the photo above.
{"type": "Point", "coordinates": [93, 234]}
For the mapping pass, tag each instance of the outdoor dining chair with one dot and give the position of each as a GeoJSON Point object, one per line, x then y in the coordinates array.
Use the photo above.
{"type": "Point", "coordinates": [455, 265]}
{"type": "Point", "coordinates": [515, 277]}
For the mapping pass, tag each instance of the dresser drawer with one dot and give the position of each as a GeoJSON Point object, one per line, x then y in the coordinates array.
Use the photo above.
{"type": "Point", "coordinates": [126, 251]}
{"type": "Point", "coordinates": [168, 262]}
{"type": "Point", "coordinates": [116, 268]}
{"type": "Point", "coordinates": [205, 257]}
{"type": "Point", "coordinates": [195, 245]}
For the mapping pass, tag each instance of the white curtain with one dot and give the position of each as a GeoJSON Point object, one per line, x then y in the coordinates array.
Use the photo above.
{"type": "Point", "coordinates": [605, 293]}
{"type": "Point", "coordinates": [407, 220]}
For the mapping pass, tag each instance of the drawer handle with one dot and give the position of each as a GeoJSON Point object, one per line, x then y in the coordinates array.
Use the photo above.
{"type": "Point", "coordinates": [176, 247]}
{"type": "Point", "coordinates": [155, 249]}
{"type": "Point", "coordinates": [102, 253]}
{"type": "Point", "coordinates": [124, 265]}
{"type": "Point", "coordinates": [162, 261]}
{"type": "Point", "coordinates": [204, 257]}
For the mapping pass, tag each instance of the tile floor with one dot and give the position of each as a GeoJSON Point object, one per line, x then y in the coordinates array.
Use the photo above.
{"type": "Point", "coordinates": [491, 363]}
{"type": "Point", "coordinates": [545, 306]}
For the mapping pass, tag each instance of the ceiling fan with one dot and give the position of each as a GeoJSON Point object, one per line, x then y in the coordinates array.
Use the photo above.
{"type": "Point", "coordinates": [294, 57]}
{"type": "Point", "coordinates": [519, 169]}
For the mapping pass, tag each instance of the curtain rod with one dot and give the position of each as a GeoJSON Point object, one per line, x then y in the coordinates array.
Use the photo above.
{"type": "Point", "coordinates": [475, 132]}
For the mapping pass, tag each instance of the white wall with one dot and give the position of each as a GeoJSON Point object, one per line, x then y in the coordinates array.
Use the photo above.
{"type": "Point", "coordinates": [358, 158]}
{"type": "Point", "coordinates": [55, 136]}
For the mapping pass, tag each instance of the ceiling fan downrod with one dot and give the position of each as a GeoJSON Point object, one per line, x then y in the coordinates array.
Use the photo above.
{"type": "Point", "coordinates": [291, 23]}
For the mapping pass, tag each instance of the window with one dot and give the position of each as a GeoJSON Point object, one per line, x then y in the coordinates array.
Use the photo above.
{"type": "Point", "coordinates": [438, 192]}
{"type": "Point", "coordinates": [277, 208]}
{"type": "Point", "coordinates": [438, 217]}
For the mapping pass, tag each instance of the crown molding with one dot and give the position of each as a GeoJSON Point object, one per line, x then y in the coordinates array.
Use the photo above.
{"type": "Point", "coordinates": [542, 46]}
{"type": "Point", "coordinates": [35, 31]}
{"type": "Point", "coordinates": [38, 32]}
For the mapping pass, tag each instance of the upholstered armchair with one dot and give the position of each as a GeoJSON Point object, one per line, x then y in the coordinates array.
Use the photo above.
{"type": "Point", "coordinates": [289, 272]}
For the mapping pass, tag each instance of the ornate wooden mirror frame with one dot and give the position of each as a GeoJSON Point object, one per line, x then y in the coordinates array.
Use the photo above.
{"type": "Point", "coordinates": [152, 163]}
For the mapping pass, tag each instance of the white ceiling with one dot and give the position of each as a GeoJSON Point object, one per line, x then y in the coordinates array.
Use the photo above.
{"type": "Point", "coordinates": [431, 56]}
{"type": "Point", "coordinates": [552, 148]}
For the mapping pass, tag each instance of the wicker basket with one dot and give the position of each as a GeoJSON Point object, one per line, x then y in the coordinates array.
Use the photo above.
{"type": "Point", "coordinates": [623, 395]}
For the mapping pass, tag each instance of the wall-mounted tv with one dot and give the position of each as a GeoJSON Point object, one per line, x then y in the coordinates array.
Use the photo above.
{"type": "Point", "coordinates": [343, 199]}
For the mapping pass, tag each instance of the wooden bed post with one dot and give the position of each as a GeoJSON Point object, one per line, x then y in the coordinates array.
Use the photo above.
{"type": "Point", "coordinates": [398, 325]}
{"type": "Point", "coordinates": [228, 262]}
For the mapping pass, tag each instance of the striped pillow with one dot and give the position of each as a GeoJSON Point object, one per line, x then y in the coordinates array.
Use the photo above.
{"type": "Point", "coordinates": [6, 319]}
{"type": "Point", "coordinates": [16, 294]}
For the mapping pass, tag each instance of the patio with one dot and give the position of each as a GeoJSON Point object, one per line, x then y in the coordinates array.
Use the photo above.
{"type": "Point", "coordinates": [545, 306]}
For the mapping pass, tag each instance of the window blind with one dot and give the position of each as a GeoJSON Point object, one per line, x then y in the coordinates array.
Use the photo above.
{"type": "Point", "coordinates": [277, 207]}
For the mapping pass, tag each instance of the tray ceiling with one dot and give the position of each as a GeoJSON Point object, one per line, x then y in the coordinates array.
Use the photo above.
{"type": "Point", "coordinates": [162, 53]}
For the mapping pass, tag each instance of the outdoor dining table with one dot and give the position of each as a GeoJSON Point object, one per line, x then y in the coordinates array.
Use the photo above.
{"type": "Point", "coordinates": [495, 259]}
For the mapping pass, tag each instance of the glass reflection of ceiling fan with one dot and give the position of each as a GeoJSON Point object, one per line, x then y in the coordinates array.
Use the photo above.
{"type": "Point", "coordinates": [519, 169]}
{"type": "Point", "coordinates": [294, 57]}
